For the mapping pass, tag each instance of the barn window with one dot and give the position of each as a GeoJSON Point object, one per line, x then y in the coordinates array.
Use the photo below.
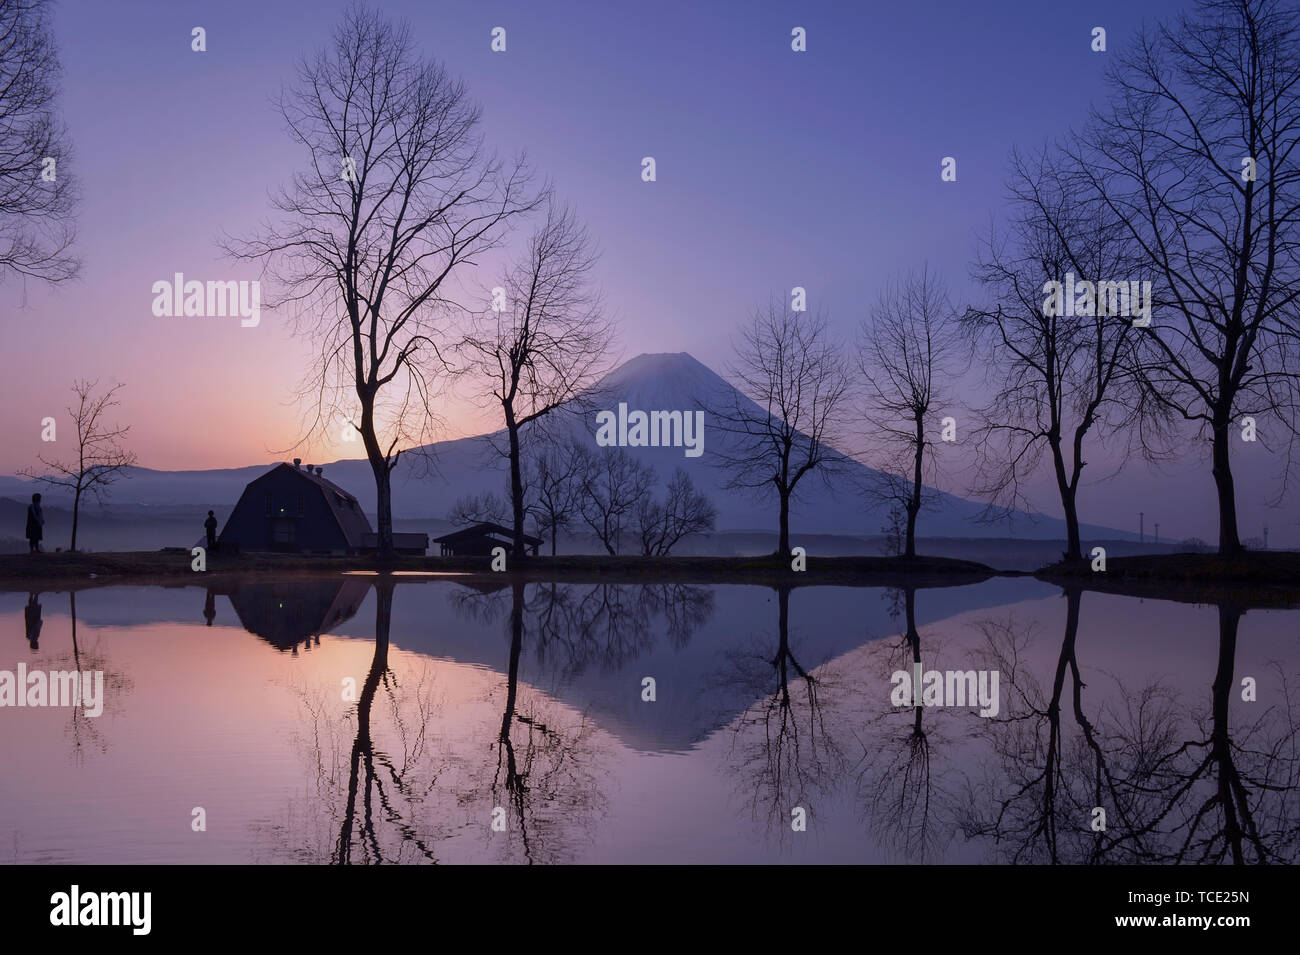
{"type": "Point", "coordinates": [301, 508]}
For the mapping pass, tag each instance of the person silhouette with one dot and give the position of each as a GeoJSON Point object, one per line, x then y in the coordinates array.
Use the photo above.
{"type": "Point", "coordinates": [35, 524]}
{"type": "Point", "coordinates": [32, 617]}
{"type": "Point", "coordinates": [210, 525]}
{"type": "Point", "coordinates": [210, 606]}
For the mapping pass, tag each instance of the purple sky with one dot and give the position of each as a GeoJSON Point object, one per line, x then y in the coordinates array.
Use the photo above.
{"type": "Point", "coordinates": [775, 169]}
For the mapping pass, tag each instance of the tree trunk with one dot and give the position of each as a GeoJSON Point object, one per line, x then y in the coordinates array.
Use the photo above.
{"type": "Point", "coordinates": [1229, 541]}
{"type": "Point", "coordinates": [783, 543]}
{"type": "Point", "coordinates": [914, 502]}
{"type": "Point", "coordinates": [384, 499]}
{"type": "Point", "coordinates": [553, 533]}
{"type": "Point", "coordinates": [76, 511]}
{"type": "Point", "coordinates": [1073, 543]}
{"type": "Point", "coordinates": [383, 484]}
{"type": "Point", "coordinates": [516, 488]}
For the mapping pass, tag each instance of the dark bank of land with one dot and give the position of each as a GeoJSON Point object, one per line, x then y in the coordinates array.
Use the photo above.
{"type": "Point", "coordinates": [19, 571]}
{"type": "Point", "coordinates": [1257, 578]}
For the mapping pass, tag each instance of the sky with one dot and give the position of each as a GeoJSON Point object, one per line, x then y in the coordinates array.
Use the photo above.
{"type": "Point", "coordinates": [774, 169]}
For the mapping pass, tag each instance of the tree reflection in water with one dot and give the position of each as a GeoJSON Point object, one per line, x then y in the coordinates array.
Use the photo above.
{"type": "Point", "coordinates": [908, 808]}
{"type": "Point", "coordinates": [783, 755]}
{"type": "Point", "coordinates": [1190, 777]}
{"type": "Point", "coordinates": [85, 733]}
{"type": "Point", "coordinates": [432, 785]}
{"type": "Point", "coordinates": [1179, 781]}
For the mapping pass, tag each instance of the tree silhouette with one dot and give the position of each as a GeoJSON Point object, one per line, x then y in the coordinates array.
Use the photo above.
{"type": "Point", "coordinates": [1195, 157]}
{"type": "Point", "coordinates": [547, 344]}
{"type": "Point", "coordinates": [1063, 382]}
{"type": "Point", "coordinates": [907, 352]}
{"type": "Point", "coordinates": [101, 459]}
{"type": "Point", "coordinates": [613, 486]}
{"type": "Point", "coordinates": [36, 227]}
{"type": "Point", "coordinates": [787, 366]}
{"type": "Point", "coordinates": [399, 197]}
{"type": "Point", "coordinates": [553, 481]}
{"type": "Point", "coordinates": [684, 511]}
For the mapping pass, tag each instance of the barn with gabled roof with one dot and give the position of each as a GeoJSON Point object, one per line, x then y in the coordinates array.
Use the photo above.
{"type": "Point", "coordinates": [295, 509]}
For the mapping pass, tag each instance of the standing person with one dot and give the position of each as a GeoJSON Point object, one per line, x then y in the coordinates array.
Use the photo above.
{"type": "Point", "coordinates": [35, 524]}
{"type": "Point", "coordinates": [210, 525]}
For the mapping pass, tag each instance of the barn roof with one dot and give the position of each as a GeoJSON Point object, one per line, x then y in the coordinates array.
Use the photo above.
{"type": "Point", "coordinates": [483, 529]}
{"type": "Point", "coordinates": [344, 506]}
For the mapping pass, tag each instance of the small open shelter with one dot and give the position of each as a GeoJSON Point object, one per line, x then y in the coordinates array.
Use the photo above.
{"type": "Point", "coordinates": [479, 539]}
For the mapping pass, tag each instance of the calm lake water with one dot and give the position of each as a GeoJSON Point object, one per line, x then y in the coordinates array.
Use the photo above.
{"type": "Point", "coordinates": [349, 719]}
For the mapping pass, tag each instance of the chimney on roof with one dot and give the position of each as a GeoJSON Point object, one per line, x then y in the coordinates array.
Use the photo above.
{"type": "Point", "coordinates": [297, 462]}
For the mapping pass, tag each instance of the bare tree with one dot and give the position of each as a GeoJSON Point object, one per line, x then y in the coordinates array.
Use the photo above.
{"type": "Point", "coordinates": [549, 342]}
{"type": "Point", "coordinates": [100, 456]}
{"type": "Point", "coordinates": [37, 193]}
{"type": "Point", "coordinates": [398, 194]}
{"type": "Point", "coordinates": [894, 529]}
{"type": "Point", "coordinates": [612, 487]}
{"type": "Point", "coordinates": [1196, 157]}
{"type": "Point", "coordinates": [792, 382]}
{"type": "Point", "coordinates": [1061, 381]}
{"type": "Point", "coordinates": [684, 511]}
{"type": "Point", "coordinates": [473, 508]}
{"type": "Point", "coordinates": [907, 352]}
{"type": "Point", "coordinates": [553, 483]}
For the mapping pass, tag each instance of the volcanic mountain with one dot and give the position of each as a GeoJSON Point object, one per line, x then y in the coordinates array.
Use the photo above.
{"type": "Point", "coordinates": [649, 382]}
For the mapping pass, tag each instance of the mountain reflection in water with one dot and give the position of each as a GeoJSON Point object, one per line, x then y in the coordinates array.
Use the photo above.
{"type": "Point", "coordinates": [436, 720]}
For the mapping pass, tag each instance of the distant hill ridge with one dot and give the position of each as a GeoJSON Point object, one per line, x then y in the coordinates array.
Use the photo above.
{"type": "Point", "coordinates": [648, 382]}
